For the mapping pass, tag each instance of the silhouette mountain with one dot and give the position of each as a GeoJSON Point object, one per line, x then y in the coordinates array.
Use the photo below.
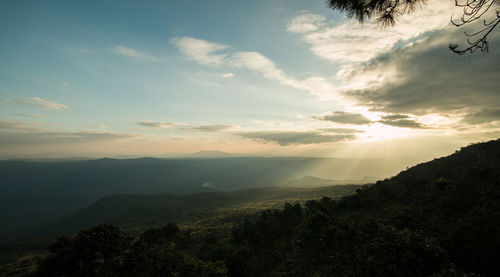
{"type": "Point", "coordinates": [133, 211]}
{"type": "Point", "coordinates": [439, 218]}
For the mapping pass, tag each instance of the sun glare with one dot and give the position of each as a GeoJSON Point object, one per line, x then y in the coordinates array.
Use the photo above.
{"type": "Point", "coordinates": [380, 131]}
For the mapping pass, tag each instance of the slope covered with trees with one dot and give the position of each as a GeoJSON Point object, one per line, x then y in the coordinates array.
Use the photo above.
{"type": "Point", "coordinates": [440, 218]}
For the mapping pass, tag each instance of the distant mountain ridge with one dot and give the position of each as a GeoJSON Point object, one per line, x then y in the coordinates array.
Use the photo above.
{"type": "Point", "coordinates": [212, 154]}
{"type": "Point", "coordinates": [37, 192]}
{"type": "Point", "coordinates": [439, 218]}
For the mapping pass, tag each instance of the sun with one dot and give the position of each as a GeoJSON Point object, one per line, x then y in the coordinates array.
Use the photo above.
{"type": "Point", "coordinates": [379, 131]}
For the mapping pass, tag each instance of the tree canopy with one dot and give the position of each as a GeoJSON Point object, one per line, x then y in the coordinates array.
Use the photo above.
{"type": "Point", "coordinates": [386, 13]}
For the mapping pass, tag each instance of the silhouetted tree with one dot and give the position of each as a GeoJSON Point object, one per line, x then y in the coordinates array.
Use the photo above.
{"type": "Point", "coordinates": [386, 12]}
{"type": "Point", "coordinates": [99, 251]}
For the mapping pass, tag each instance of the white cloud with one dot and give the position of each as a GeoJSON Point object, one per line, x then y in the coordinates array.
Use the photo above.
{"type": "Point", "coordinates": [32, 115]}
{"type": "Point", "coordinates": [39, 102]}
{"type": "Point", "coordinates": [227, 75]}
{"type": "Point", "coordinates": [257, 62]}
{"type": "Point", "coordinates": [306, 23]}
{"type": "Point", "coordinates": [200, 51]}
{"type": "Point", "coordinates": [351, 41]}
{"type": "Point", "coordinates": [129, 52]}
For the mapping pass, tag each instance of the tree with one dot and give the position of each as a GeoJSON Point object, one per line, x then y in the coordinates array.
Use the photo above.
{"type": "Point", "coordinates": [386, 12]}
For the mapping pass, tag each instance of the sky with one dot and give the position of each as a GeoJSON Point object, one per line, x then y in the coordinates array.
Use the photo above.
{"type": "Point", "coordinates": [264, 78]}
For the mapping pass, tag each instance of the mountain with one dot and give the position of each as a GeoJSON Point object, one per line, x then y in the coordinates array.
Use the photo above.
{"type": "Point", "coordinates": [33, 193]}
{"type": "Point", "coordinates": [104, 177]}
{"type": "Point", "coordinates": [134, 211]}
{"type": "Point", "coordinates": [211, 154]}
{"type": "Point", "coordinates": [439, 218]}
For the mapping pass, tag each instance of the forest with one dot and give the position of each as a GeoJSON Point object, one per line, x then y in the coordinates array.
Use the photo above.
{"type": "Point", "coordinates": [439, 218]}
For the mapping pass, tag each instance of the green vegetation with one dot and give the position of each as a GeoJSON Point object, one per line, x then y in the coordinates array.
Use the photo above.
{"type": "Point", "coordinates": [197, 214]}
{"type": "Point", "coordinates": [36, 193]}
{"type": "Point", "coordinates": [142, 211]}
{"type": "Point", "coordinates": [440, 218]}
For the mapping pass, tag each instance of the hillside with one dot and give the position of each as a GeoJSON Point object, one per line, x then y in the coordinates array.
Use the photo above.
{"type": "Point", "coordinates": [34, 193]}
{"type": "Point", "coordinates": [440, 218]}
{"type": "Point", "coordinates": [140, 211]}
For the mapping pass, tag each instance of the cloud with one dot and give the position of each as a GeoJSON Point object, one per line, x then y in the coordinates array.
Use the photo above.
{"type": "Point", "coordinates": [306, 23]}
{"type": "Point", "coordinates": [427, 78]}
{"type": "Point", "coordinates": [19, 132]}
{"type": "Point", "coordinates": [32, 115]}
{"type": "Point", "coordinates": [285, 138]}
{"type": "Point", "coordinates": [340, 130]}
{"type": "Point", "coordinates": [402, 121]}
{"type": "Point", "coordinates": [200, 51]}
{"type": "Point", "coordinates": [129, 52]}
{"type": "Point", "coordinates": [156, 124]}
{"type": "Point", "coordinates": [212, 128]}
{"type": "Point", "coordinates": [227, 75]}
{"type": "Point", "coordinates": [39, 102]}
{"type": "Point", "coordinates": [257, 62]}
{"type": "Point", "coordinates": [203, 52]}
{"type": "Point", "coordinates": [395, 117]}
{"type": "Point", "coordinates": [484, 116]}
{"type": "Point", "coordinates": [19, 125]}
{"type": "Point", "coordinates": [350, 41]}
{"type": "Point", "coordinates": [344, 118]}
{"type": "Point", "coordinates": [40, 137]}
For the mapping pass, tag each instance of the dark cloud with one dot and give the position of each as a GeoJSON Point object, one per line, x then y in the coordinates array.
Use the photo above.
{"type": "Point", "coordinates": [395, 117]}
{"type": "Point", "coordinates": [401, 120]}
{"type": "Point", "coordinates": [403, 123]}
{"type": "Point", "coordinates": [484, 116]}
{"type": "Point", "coordinates": [154, 124]}
{"type": "Point", "coordinates": [285, 138]}
{"type": "Point", "coordinates": [340, 130]}
{"type": "Point", "coordinates": [211, 128]}
{"type": "Point", "coordinates": [344, 118]}
{"type": "Point", "coordinates": [431, 79]}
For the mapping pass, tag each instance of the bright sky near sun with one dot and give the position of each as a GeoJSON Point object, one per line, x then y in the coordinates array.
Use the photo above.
{"type": "Point", "coordinates": [281, 77]}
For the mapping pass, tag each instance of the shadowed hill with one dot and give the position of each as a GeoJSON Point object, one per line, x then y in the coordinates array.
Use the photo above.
{"type": "Point", "coordinates": [33, 193]}
{"type": "Point", "coordinates": [440, 218]}
{"type": "Point", "coordinates": [155, 209]}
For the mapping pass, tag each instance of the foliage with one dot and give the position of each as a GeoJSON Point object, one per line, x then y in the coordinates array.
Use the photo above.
{"type": "Point", "coordinates": [386, 12]}
{"type": "Point", "coordinates": [440, 218]}
{"type": "Point", "coordinates": [105, 250]}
